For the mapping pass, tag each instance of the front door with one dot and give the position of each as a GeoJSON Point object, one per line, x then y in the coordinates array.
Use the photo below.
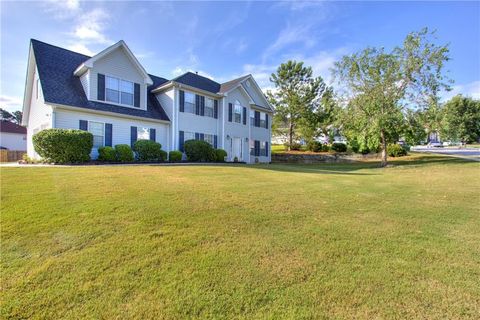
{"type": "Point", "coordinates": [237, 149]}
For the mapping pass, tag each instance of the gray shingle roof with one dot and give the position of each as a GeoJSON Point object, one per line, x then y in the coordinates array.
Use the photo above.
{"type": "Point", "coordinates": [226, 86]}
{"type": "Point", "coordinates": [56, 66]}
{"type": "Point", "coordinates": [197, 81]}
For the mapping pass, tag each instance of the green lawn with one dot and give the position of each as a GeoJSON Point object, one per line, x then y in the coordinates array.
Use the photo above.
{"type": "Point", "coordinates": [262, 242]}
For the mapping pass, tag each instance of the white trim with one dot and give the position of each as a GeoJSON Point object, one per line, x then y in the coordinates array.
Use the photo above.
{"type": "Point", "coordinates": [120, 44]}
{"type": "Point", "coordinates": [182, 86]}
{"type": "Point", "coordinates": [240, 83]}
{"type": "Point", "coordinates": [114, 114]}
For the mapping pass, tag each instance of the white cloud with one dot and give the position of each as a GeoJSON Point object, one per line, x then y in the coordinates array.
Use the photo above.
{"type": "Point", "coordinates": [81, 48]}
{"type": "Point", "coordinates": [10, 103]}
{"type": "Point", "coordinates": [471, 89]}
{"type": "Point", "coordinates": [178, 71]}
{"type": "Point", "coordinates": [90, 27]}
{"type": "Point", "coordinates": [62, 9]}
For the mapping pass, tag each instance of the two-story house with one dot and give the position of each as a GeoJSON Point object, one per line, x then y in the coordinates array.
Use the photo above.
{"type": "Point", "coordinates": [113, 97]}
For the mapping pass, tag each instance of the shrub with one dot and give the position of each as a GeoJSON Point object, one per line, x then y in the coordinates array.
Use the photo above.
{"type": "Point", "coordinates": [163, 155]}
{"type": "Point", "coordinates": [148, 150]}
{"type": "Point", "coordinates": [124, 153]}
{"type": "Point", "coordinates": [325, 148]}
{"type": "Point", "coordinates": [107, 154]}
{"type": "Point", "coordinates": [314, 146]}
{"type": "Point", "coordinates": [294, 146]}
{"type": "Point", "coordinates": [199, 150]}
{"type": "Point", "coordinates": [396, 150]}
{"type": "Point", "coordinates": [220, 155]}
{"type": "Point", "coordinates": [175, 156]}
{"type": "Point", "coordinates": [63, 145]}
{"type": "Point", "coordinates": [339, 147]}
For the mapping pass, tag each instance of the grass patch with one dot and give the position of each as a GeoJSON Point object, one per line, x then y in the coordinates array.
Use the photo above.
{"type": "Point", "coordinates": [263, 241]}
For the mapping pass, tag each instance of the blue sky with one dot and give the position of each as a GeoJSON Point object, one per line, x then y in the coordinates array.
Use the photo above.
{"type": "Point", "coordinates": [223, 40]}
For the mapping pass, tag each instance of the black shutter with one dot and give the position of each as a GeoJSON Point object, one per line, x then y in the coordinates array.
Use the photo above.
{"type": "Point", "coordinates": [153, 134]}
{"type": "Point", "coordinates": [266, 120]}
{"type": "Point", "coordinates": [215, 109]}
{"type": "Point", "coordinates": [257, 119]}
{"type": "Point", "coordinates": [180, 140]}
{"type": "Point", "coordinates": [197, 136]}
{"type": "Point", "coordinates": [136, 98]}
{"type": "Point", "coordinates": [244, 115]}
{"type": "Point", "coordinates": [83, 125]}
{"type": "Point", "coordinates": [230, 112]}
{"type": "Point", "coordinates": [197, 104]}
{"type": "Point", "coordinates": [202, 105]}
{"type": "Point", "coordinates": [266, 149]}
{"type": "Point", "coordinates": [182, 101]}
{"type": "Point", "coordinates": [215, 141]}
{"type": "Point", "coordinates": [108, 134]}
{"type": "Point", "coordinates": [133, 136]}
{"type": "Point", "coordinates": [257, 148]}
{"type": "Point", "coordinates": [201, 136]}
{"type": "Point", "coordinates": [100, 87]}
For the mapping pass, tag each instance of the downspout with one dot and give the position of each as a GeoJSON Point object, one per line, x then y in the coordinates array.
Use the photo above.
{"type": "Point", "coordinates": [54, 117]}
{"type": "Point", "coordinates": [223, 122]}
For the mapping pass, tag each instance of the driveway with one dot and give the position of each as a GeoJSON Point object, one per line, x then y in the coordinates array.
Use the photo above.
{"type": "Point", "coordinates": [470, 154]}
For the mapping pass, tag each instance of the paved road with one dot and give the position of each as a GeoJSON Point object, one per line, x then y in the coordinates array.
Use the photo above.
{"type": "Point", "coordinates": [472, 154]}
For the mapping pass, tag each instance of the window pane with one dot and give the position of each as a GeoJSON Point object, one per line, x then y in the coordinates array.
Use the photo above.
{"type": "Point", "coordinates": [208, 112]}
{"type": "Point", "coordinates": [96, 128]}
{"type": "Point", "coordinates": [111, 83]}
{"type": "Point", "coordinates": [112, 95]}
{"type": "Point", "coordinates": [189, 97]}
{"type": "Point", "coordinates": [188, 136]}
{"type": "Point", "coordinates": [126, 86]}
{"type": "Point", "coordinates": [208, 138]}
{"type": "Point", "coordinates": [97, 141]}
{"type": "Point", "coordinates": [143, 133]}
{"type": "Point", "coordinates": [209, 103]}
{"type": "Point", "coordinates": [127, 98]}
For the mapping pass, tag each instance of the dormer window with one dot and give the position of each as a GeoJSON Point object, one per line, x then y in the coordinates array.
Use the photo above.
{"type": "Point", "coordinates": [119, 91]}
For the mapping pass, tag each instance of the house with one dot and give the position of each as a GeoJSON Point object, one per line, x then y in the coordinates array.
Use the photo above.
{"type": "Point", "coordinates": [13, 136]}
{"type": "Point", "coordinates": [112, 96]}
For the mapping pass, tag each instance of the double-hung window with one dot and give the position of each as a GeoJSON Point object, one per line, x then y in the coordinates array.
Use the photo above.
{"type": "Point", "coordinates": [189, 102]}
{"type": "Point", "coordinates": [119, 91]}
{"type": "Point", "coordinates": [263, 120]}
{"type": "Point", "coordinates": [237, 113]}
{"type": "Point", "coordinates": [209, 107]}
{"type": "Point", "coordinates": [208, 138]}
{"type": "Point", "coordinates": [252, 117]}
{"type": "Point", "coordinates": [97, 129]}
{"type": "Point", "coordinates": [143, 133]}
{"type": "Point", "coordinates": [188, 136]}
{"type": "Point", "coordinates": [263, 148]}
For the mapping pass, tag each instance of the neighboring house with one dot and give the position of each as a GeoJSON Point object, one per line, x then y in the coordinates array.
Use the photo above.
{"type": "Point", "coordinates": [113, 97]}
{"type": "Point", "coordinates": [13, 136]}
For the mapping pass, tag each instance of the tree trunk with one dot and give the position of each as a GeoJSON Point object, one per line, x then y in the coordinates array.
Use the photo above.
{"type": "Point", "coordinates": [290, 136]}
{"type": "Point", "coordinates": [384, 149]}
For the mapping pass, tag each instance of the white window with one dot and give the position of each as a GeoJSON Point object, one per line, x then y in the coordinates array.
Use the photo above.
{"type": "Point", "coordinates": [252, 147]}
{"type": "Point", "coordinates": [119, 91]}
{"type": "Point", "coordinates": [189, 102]}
{"type": "Point", "coordinates": [208, 138]}
{"type": "Point", "coordinates": [209, 107]}
{"type": "Point", "coordinates": [252, 117]}
{"type": "Point", "coordinates": [188, 136]}
{"type": "Point", "coordinates": [237, 112]}
{"type": "Point", "coordinates": [97, 129]}
{"type": "Point", "coordinates": [263, 120]}
{"type": "Point", "coordinates": [143, 133]}
{"type": "Point", "coordinates": [263, 149]}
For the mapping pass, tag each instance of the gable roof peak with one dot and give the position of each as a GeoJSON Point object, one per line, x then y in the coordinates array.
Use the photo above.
{"type": "Point", "coordinates": [119, 44]}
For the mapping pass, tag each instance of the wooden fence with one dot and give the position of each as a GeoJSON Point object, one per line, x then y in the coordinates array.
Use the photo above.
{"type": "Point", "coordinates": [11, 155]}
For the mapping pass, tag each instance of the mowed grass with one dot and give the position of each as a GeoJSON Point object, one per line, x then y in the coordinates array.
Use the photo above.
{"type": "Point", "coordinates": [246, 242]}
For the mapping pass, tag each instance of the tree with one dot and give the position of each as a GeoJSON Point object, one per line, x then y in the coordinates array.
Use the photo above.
{"type": "Point", "coordinates": [381, 84]}
{"type": "Point", "coordinates": [296, 95]}
{"type": "Point", "coordinates": [414, 131]}
{"type": "Point", "coordinates": [15, 116]}
{"type": "Point", "coordinates": [321, 118]}
{"type": "Point", "coordinates": [461, 119]}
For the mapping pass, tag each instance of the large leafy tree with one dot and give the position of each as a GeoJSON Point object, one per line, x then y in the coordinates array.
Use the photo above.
{"type": "Point", "coordinates": [380, 84]}
{"type": "Point", "coordinates": [296, 95]}
{"type": "Point", "coordinates": [15, 116]}
{"type": "Point", "coordinates": [461, 119]}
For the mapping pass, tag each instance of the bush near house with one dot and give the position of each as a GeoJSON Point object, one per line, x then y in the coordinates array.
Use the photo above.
{"type": "Point", "coordinates": [107, 154]}
{"type": "Point", "coordinates": [148, 150]}
{"type": "Point", "coordinates": [63, 145]}
{"type": "Point", "coordinates": [396, 150]}
{"type": "Point", "coordinates": [295, 146]}
{"type": "Point", "coordinates": [220, 155]}
{"type": "Point", "coordinates": [175, 156]}
{"type": "Point", "coordinates": [339, 147]}
{"type": "Point", "coordinates": [124, 153]}
{"type": "Point", "coordinates": [314, 146]}
{"type": "Point", "coordinates": [199, 151]}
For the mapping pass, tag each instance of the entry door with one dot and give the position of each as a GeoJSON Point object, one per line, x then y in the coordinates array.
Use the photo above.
{"type": "Point", "coordinates": [237, 149]}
